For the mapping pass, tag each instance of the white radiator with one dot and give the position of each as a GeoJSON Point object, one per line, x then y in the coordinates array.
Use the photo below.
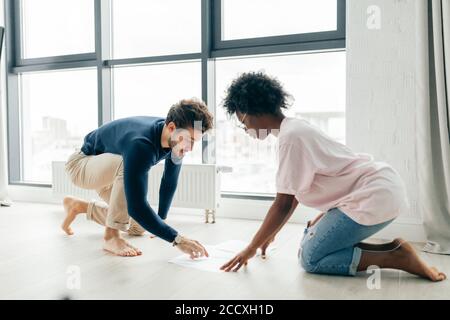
{"type": "Point", "coordinates": [198, 186]}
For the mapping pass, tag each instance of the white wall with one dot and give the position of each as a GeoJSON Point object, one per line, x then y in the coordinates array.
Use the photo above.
{"type": "Point", "coordinates": [381, 88]}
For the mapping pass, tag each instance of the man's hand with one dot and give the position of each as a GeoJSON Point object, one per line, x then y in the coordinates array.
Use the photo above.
{"type": "Point", "coordinates": [265, 246]}
{"type": "Point", "coordinates": [239, 260]}
{"type": "Point", "coordinates": [193, 248]}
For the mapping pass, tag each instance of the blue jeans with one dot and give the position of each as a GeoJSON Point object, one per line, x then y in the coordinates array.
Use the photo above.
{"type": "Point", "coordinates": [329, 246]}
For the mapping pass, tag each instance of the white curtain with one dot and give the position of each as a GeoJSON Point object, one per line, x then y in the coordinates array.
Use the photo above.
{"type": "Point", "coordinates": [4, 199]}
{"type": "Point", "coordinates": [433, 122]}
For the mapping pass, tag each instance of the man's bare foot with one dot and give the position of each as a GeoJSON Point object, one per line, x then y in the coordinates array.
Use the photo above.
{"type": "Point", "coordinates": [120, 247]}
{"type": "Point", "coordinates": [407, 259]}
{"type": "Point", "coordinates": [135, 229]}
{"type": "Point", "coordinates": [139, 252]}
{"type": "Point", "coordinates": [73, 206]}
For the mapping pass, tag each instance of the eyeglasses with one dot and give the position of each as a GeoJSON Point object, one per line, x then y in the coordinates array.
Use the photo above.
{"type": "Point", "coordinates": [240, 123]}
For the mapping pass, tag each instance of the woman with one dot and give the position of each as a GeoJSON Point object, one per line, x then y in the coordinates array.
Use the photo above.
{"type": "Point", "coordinates": [358, 196]}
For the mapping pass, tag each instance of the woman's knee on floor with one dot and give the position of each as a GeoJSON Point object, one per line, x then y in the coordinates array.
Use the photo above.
{"type": "Point", "coordinates": [308, 265]}
{"type": "Point", "coordinates": [309, 255]}
{"type": "Point", "coordinates": [306, 260]}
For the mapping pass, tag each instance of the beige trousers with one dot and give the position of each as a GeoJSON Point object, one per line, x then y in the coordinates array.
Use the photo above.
{"type": "Point", "coordinates": [104, 174]}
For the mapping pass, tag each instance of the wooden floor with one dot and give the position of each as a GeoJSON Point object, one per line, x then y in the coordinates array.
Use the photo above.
{"type": "Point", "coordinates": [36, 259]}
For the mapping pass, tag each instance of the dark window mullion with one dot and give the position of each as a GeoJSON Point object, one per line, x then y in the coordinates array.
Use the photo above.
{"type": "Point", "coordinates": [102, 50]}
{"type": "Point", "coordinates": [281, 40]}
{"type": "Point", "coordinates": [57, 59]}
{"type": "Point", "coordinates": [12, 90]}
{"type": "Point", "coordinates": [207, 72]}
{"type": "Point", "coordinates": [281, 48]}
{"type": "Point", "coordinates": [152, 59]}
{"type": "Point", "coordinates": [54, 66]}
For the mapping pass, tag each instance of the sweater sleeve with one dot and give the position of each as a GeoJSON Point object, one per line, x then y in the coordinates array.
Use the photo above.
{"type": "Point", "coordinates": [139, 157]}
{"type": "Point", "coordinates": [168, 186]}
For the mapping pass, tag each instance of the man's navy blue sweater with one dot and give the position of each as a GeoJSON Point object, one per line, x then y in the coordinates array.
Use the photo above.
{"type": "Point", "coordinates": [138, 141]}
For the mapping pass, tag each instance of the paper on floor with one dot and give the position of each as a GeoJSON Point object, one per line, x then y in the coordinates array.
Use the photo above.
{"type": "Point", "coordinates": [218, 256]}
{"type": "Point", "coordinates": [237, 246]}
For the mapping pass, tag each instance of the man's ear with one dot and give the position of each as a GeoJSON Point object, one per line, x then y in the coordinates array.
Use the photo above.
{"type": "Point", "coordinates": [172, 127]}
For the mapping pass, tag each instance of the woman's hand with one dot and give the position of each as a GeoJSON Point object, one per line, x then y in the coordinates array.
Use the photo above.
{"type": "Point", "coordinates": [265, 246]}
{"type": "Point", "coordinates": [239, 260]}
{"type": "Point", "coordinates": [315, 220]}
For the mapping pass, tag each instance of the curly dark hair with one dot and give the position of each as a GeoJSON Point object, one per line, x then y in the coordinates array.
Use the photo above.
{"type": "Point", "coordinates": [256, 93]}
{"type": "Point", "coordinates": [185, 112]}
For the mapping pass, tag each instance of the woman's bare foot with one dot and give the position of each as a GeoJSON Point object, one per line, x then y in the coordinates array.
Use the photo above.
{"type": "Point", "coordinates": [120, 247]}
{"type": "Point", "coordinates": [73, 206]}
{"type": "Point", "coordinates": [402, 257]}
{"type": "Point", "coordinates": [408, 260]}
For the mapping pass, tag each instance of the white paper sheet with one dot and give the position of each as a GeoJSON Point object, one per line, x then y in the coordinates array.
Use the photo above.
{"type": "Point", "coordinates": [234, 246]}
{"type": "Point", "coordinates": [218, 256]}
{"type": "Point", "coordinates": [237, 246]}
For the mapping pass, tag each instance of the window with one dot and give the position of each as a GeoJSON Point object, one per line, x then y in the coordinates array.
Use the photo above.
{"type": "Point", "coordinates": [306, 77]}
{"type": "Point", "coordinates": [152, 89]}
{"type": "Point", "coordinates": [256, 18]}
{"type": "Point", "coordinates": [158, 27]}
{"type": "Point", "coordinates": [58, 110]}
{"type": "Point", "coordinates": [76, 64]}
{"type": "Point", "coordinates": [57, 27]}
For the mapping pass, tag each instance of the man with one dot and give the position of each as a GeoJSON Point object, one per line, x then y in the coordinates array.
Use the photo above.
{"type": "Point", "coordinates": [115, 159]}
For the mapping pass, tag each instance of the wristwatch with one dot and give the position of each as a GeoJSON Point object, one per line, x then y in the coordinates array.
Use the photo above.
{"type": "Point", "coordinates": [177, 240]}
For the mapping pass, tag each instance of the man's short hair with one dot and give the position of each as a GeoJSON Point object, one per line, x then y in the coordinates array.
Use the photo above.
{"type": "Point", "coordinates": [188, 111]}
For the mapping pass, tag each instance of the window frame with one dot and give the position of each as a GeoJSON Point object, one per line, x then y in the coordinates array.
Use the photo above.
{"type": "Point", "coordinates": [312, 38]}
{"type": "Point", "coordinates": [212, 46]}
{"type": "Point", "coordinates": [21, 61]}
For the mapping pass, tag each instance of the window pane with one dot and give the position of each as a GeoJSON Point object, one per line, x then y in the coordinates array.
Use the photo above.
{"type": "Point", "coordinates": [316, 81]}
{"type": "Point", "coordinates": [256, 18]}
{"type": "Point", "coordinates": [57, 27]}
{"type": "Point", "coordinates": [58, 110]}
{"type": "Point", "coordinates": [152, 89]}
{"type": "Point", "coordinates": [157, 27]}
